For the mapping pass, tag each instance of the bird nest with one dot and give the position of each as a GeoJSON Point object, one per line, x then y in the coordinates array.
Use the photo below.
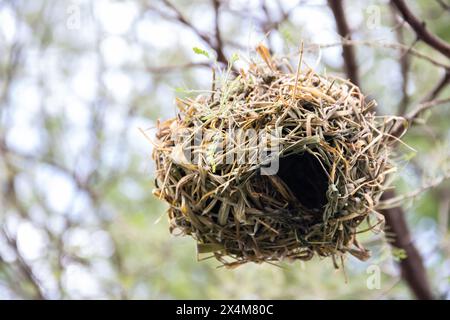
{"type": "Point", "coordinates": [274, 164]}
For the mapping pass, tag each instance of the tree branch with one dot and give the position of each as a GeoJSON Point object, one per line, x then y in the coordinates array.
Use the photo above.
{"type": "Point", "coordinates": [443, 5]}
{"type": "Point", "coordinates": [428, 102]}
{"type": "Point", "coordinates": [348, 52]}
{"type": "Point", "coordinates": [413, 271]}
{"type": "Point", "coordinates": [23, 265]}
{"type": "Point", "coordinates": [439, 87]}
{"type": "Point", "coordinates": [388, 45]}
{"type": "Point", "coordinates": [420, 29]}
{"type": "Point", "coordinates": [404, 62]}
{"type": "Point", "coordinates": [219, 45]}
{"type": "Point", "coordinates": [412, 268]}
{"type": "Point", "coordinates": [215, 45]}
{"type": "Point", "coordinates": [414, 114]}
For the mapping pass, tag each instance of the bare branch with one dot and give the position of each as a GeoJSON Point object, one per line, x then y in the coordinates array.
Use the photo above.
{"type": "Point", "coordinates": [420, 29]}
{"type": "Point", "coordinates": [215, 45]}
{"type": "Point", "coordinates": [444, 5]}
{"type": "Point", "coordinates": [404, 63]}
{"type": "Point", "coordinates": [383, 44]}
{"type": "Point", "coordinates": [413, 270]}
{"type": "Point", "coordinates": [219, 44]}
{"type": "Point", "coordinates": [414, 114]}
{"type": "Point", "coordinates": [427, 103]}
{"type": "Point", "coordinates": [182, 19]}
{"type": "Point", "coordinates": [343, 29]}
{"type": "Point", "coordinates": [439, 87]}
{"type": "Point", "coordinates": [23, 265]}
{"type": "Point", "coordinates": [82, 185]}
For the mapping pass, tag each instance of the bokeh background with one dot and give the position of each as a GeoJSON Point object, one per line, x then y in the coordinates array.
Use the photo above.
{"type": "Point", "coordinates": [79, 80]}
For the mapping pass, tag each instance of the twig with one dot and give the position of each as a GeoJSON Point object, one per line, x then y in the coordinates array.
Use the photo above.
{"type": "Point", "coordinates": [444, 211]}
{"type": "Point", "coordinates": [384, 44]}
{"type": "Point", "coordinates": [428, 102]}
{"type": "Point", "coordinates": [444, 5]}
{"type": "Point", "coordinates": [181, 18]}
{"type": "Point", "coordinates": [404, 63]}
{"type": "Point", "coordinates": [439, 87]}
{"type": "Point", "coordinates": [23, 265]}
{"type": "Point", "coordinates": [420, 29]}
{"type": "Point", "coordinates": [215, 45]}
{"type": "Point", "coordinates": [219, 44]}
{"type": "Point", "coordinates": [397, 200]}
{"type": "Point", "coordinates": [414, 114]}
{"type": "Point", "coordinates": [82, 185]}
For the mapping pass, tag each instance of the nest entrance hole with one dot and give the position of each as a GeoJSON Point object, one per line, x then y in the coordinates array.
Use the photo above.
{"type": "Point", "coordinates": [306, 178]}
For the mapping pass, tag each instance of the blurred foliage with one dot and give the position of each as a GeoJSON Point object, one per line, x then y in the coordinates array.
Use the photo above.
{"type": "Point", "coordinates": [77, 216]}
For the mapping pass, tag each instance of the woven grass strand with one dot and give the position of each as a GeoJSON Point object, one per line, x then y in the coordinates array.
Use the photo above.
{"type": "Point", "coordinates": [239, 215]}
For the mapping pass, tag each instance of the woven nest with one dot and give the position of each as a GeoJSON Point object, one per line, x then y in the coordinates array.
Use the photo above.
{"type": "Point", "coordinates": [332, 154]}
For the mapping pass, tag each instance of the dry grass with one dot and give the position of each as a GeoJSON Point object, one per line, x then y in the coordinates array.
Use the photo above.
{"type": "Point", "coordinates": [334, 158]}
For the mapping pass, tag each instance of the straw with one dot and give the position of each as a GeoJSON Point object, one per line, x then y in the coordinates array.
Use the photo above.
{"type": "Point", "coordinates": [333, 160]}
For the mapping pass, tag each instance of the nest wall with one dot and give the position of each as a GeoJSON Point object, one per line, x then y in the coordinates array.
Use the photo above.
{"type": "Point", "coordinates": [330, 149]}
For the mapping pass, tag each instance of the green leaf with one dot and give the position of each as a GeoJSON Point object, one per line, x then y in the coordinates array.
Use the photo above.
{"type": "Point", "coordinates": [200, 51]}
{"type": "Point", "coordinates": [399, 254]}
{"type": "Point", "coordinates": [287, 35]}
{"type": "Point", "coordinates": [180, 90]}
{"type": "Point", "coordinates": [234, 58]}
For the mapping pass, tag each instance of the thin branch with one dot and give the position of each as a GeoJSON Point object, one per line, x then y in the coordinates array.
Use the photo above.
{"type": "Point", "coordinates": [412, 268]}
{"type": "Point", "coordinates": [439, 87]}
{"type": "Point", "coordinates": [219, 44]}
{"type": "Point", "coordinates": [343, 29]}
{"type": "Point", "coordinates": [384, 44]}
{"type": "Point", "coordinates": [183, 20]}
{"type": "Point", "coordinates": [414, 114]}
{"type": "Point", "coordinates": [82, 185]}
{"type": "Point", "coordinates": [398, 200]}
{"type": "Point", "coordinates": [427, 103]}
{"type": "Point", "coordinates": [420, 29]}
{"type": "Point", "coordinates": [23, 265]}
{"type": "Point", "coordinates": [404, 63]}
{"type": "Point", "coordinates": [215, 45]}
{"type": "Point", "coordinates": [444, 5]}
